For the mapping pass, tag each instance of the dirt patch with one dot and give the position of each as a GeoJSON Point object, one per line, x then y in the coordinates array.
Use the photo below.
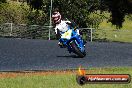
{"type": "Point", "coordinates": [43, 73]}
{"type": "Point", "coordinates": [33, 73]}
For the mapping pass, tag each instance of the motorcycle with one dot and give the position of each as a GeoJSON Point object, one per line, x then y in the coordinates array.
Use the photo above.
{"type": "Point", "coordinates": [73, 42]}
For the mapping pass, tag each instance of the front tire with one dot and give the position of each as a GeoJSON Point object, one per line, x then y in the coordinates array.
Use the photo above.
{"type": "Point", "coordinates": [77, 50]}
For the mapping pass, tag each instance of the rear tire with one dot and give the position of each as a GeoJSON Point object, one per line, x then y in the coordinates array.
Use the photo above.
{"type": "Point", "coordinates": [77, 50]}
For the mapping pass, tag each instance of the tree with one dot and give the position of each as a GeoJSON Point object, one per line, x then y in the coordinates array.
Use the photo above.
{"type": "Point", "coordinates": [36, 4]}
{"type": "Point", "coordinates": [118, 10]}
{"type": "Point", "coordinates": [2, 1]}
{"type": "Point", "coordinates": [80, 9]}
{"type": "Point", "coordinates": [14, 13]}
{"type": "Point", "coordinates": [72, 9]}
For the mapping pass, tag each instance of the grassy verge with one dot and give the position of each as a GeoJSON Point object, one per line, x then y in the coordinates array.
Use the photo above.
{"type": "Point", "coordinates": [107, 32]}
{"type": "Point", "coordinates": [59, 79]}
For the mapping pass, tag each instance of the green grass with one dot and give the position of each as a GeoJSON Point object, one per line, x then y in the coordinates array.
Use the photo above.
{"type": "Point", "coordinates": [109, 33]}
{"type": "Point", "coordinates": [63, 80]}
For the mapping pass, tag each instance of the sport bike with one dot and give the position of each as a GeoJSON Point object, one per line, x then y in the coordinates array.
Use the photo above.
{"type": "Point", "coordinates": [73, 42]}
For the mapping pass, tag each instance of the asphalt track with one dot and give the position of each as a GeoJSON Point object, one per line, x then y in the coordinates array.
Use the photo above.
{"type": "Point", "coordinates": [26, 54]}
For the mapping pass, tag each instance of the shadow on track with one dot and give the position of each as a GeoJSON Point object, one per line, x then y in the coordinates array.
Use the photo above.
{"type": "Point", "coordinates": [68, 56]}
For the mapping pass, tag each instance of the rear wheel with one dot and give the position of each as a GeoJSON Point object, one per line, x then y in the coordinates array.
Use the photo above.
{"type": "Point", "coordinates": [77, 50]}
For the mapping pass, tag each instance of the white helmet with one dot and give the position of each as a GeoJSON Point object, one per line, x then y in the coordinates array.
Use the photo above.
{"type": "Point", "coordinates": [56, 17]}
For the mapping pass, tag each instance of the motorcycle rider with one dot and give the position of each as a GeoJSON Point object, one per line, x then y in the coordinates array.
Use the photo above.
{"type": "Point", "coordinates": [61, 26]}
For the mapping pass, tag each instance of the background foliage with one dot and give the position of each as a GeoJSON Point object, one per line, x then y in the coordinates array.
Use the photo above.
{"type": "Point", "coordinates": [79, 10]}
{"type": "Point", "coordinates": [86, 13]}
{"type": "Point", "coordinates": [13, 13]}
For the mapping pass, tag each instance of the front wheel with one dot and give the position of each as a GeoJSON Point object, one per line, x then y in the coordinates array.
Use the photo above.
{"type": "Point", "coordinates": [76, 50]}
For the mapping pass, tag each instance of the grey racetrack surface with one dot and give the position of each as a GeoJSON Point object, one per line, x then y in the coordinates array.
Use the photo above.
{"type": "Point", "coordinates": [26, 54]}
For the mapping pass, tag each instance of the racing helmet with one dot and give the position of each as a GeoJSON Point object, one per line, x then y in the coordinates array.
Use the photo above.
{"type": "Point", "coordinates": [56, 17]}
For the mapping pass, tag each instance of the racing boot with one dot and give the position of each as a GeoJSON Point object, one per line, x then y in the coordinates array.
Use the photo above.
{"type": "Point", "coordinates": [61, 45]}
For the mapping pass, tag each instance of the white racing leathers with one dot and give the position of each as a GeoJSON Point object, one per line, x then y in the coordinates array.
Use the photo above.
{"type": "Point", "coordinates": [63, 26]}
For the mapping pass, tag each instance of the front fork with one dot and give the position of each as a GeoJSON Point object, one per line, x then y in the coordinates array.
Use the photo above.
{"type": "Point", "coordinates": [80, 44]}
{"type": "Point", "coordinates": [78, 40]}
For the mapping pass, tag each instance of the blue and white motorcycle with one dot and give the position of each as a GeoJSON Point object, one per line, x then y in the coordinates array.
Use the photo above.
{"type": "Point", "coordinates": [73, 41]}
